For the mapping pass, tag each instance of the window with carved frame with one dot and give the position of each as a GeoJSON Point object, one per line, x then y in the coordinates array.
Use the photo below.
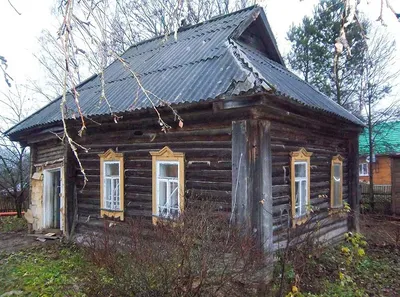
{"type": "Point", "coordinates": [168, 184]}
{"type": "Point", "coordinates": [112, 184]}
{"type": "Point", "coordinates": [300, 185]}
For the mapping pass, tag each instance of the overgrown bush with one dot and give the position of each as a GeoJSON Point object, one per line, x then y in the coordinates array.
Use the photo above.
{"type": "Point", "coordinates": [200, 254]}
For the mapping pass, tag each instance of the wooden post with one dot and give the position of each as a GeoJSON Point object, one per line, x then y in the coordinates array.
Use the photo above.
{"type": "Point", "coordinates": [69, 190]}
{"type": "Point", "coordinates": [395, 169]}
{"type": "Point", "coordinates": [354, 187]}
{"type": "Point", "coordinates": [252, 179]}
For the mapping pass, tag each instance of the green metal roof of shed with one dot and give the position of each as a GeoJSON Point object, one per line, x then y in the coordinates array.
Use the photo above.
{"type": "Point", "coordinates": [386, 139]}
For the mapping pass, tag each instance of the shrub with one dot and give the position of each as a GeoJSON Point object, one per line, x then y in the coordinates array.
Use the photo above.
{"type": "Point", "coordinates": [200, 254]}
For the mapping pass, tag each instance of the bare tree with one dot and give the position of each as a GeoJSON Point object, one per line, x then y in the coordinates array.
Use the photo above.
{"type": "Point", "coordinates": [14, 158]}
{"type": "Point", "coordinates": [378, 80]}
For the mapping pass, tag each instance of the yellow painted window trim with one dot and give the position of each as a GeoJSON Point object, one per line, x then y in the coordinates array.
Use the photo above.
{"type": "Point", "coordinates": [338, 159]}
{"type": "Point", "coordinates": [166, 154]}
{"type": "Point", "coordinates": [299, 156]}
{"type": "Point", "coordinates": [110, 155]}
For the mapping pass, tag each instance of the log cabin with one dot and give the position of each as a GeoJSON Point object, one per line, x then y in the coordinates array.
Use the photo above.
{"type": "Point", "coordinates": [259, 142]}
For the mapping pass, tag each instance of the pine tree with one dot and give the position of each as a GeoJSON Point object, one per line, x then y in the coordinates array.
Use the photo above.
{"type": "Point", "coordinates": [313, 52]}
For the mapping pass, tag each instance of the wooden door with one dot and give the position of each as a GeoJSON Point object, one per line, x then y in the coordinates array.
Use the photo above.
{"type": "Point", "coordinates": [396, 185]}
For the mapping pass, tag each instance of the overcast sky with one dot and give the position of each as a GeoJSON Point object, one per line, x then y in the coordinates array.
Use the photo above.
{"type": "Point", "coordinates": [19, 33]}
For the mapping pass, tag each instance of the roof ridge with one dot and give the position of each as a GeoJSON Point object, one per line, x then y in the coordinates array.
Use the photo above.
{"type": "Point", "coordinates": [212, 19]}
{"type": "Point", "coordinates": [179, 40]}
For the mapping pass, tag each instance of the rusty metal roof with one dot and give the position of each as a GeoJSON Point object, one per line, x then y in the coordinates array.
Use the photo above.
{"type": "Point", "coordinates": [199, 64]}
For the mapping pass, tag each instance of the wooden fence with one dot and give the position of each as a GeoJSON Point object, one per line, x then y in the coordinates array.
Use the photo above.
{"type": "Point", "coordinates": [382, 197]}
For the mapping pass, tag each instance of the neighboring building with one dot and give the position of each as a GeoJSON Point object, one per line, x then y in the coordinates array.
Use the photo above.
{"type": "Point", "coordinates": [257, 140]}
{"type": "Point", "coordinates": [386, 145]}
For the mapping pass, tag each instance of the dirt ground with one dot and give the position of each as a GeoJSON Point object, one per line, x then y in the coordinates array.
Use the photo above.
{"type": "Point", "coordinates": [381, 230]}
{"type": "Point", "coordinates": [15, 241]}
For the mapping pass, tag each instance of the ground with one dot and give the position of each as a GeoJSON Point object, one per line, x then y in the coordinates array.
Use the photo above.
{"type": "Point", "coordinates": [32, 268]}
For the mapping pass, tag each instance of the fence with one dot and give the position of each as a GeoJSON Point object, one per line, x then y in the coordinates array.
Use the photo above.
{"type": "Point", "coordinates": [382, 198]}
{"type": "Point", "coordinates": [7, 204]}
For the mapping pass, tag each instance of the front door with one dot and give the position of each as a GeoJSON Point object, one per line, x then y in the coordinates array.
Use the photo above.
{"type": "Point", "coordinates": [52, 199]}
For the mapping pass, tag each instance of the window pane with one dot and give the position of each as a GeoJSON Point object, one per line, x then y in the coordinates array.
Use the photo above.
{"type": "Point", "coordinates": [162, 193]}
{"type": "Point", "coordinates": [300, 169]}
{"type": "Point", "coordinates": [297, 197]}
{"type": "Point", "coordinates": [336, 193]}
{"type": "Point", "coordinates": [115, 193]}
{"type": "Point", "coordinates": [337, 171]}
{"type": "Point", "coordinates": [112, 169]}
{"type": "Point", "coordinates": [303, 197]}
{"type": "Point", "coordinates": [168, 170]}
{"type": "Point", "coordinates": [174, 195]}
{"type": "Point", "coordinates": [108, 197]}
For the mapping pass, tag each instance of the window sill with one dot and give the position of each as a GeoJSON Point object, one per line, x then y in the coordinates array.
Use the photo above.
{"type": "Point", "coordinates": [157, 219]}
{"type": "Point", "coordinates": [336, 210]}
{"type": "Point", "coordinates": [299, 220]}
{"type": "Point", "coordinates": [110, 213]}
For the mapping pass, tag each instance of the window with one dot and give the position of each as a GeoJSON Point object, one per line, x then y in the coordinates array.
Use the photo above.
{"type": "Point", "coordinates": [300, 188]}
{"type": "Point", "coordinates": [168, 184]}
{"type": "Point", "coordinates": [363, 169]}
{"type": "Point", "coordinates": [112, 185]}
{"type": "Point", "coordinates": [167, 189]}
{"type": "Point", "coordinates": [337, 182]}
{"type": "Point", "coordinates": [300, 185]}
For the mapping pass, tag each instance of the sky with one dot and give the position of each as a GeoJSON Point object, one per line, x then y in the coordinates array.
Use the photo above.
{"type": "Point", "coordinates": [19, 33]}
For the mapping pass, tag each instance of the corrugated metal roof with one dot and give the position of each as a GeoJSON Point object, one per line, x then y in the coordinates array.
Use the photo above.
{"type": "Point", "coordinates": [198, 65]}
{"type": "Point", "coordinates": [386, 139]}
{"type": "Point", "coordinates": [284, 82]}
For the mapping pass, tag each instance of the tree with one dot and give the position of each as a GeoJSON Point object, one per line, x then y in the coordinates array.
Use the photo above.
{"type": "Point", "coordinates": [14, 158]}
{"type": "Point", "coordinates": [376, 85]}
{"type": "Point", "coordinates": [313, 53]}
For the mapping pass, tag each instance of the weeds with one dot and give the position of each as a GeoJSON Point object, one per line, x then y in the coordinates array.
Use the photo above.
{"type": "Point", "coordinates": [12, 224]}
{"type": "Point", "coordinates": [42, 272]}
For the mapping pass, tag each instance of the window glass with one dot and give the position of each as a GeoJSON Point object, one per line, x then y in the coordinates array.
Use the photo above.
{"type": "Point", "coordinates": [168, 190]}
{"type": "Point", "coordinates": [303, 187]}
{"type": "Point", "coordinates": [111, 186]}
{"type": "Point", "coordinates": [162, 198]}
{"type": "Point", "coordinates": [363, 169]}
{"type": "Point", "coordinates": [300, 188]}
{"type": "Point", "coordinates": [300, 169]}
{"type": "Point", "coordinates": [297, 198]}
{"type": "Point", "coordinates": [168, 170]}
{"type": "Point", "coordinates": [112, 169]}
{"type": "Point", "coordinates": [108, 192]}
{"type": "Point", "coordinates": [337, 168]}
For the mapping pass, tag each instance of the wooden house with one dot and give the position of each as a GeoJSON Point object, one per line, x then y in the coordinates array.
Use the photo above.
{"type": "Point", "coordinates": [386, 145]}
{"type": "Point", "coordinates": [257, 140]}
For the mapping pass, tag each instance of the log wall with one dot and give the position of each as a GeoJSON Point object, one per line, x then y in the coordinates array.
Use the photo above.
{"type": "Point", "coordinates": [207, 147]}
{"type": "Point", "coordinates": [206, 140]}
{"type": "Point", "coordinates": [49, 151]}
{"type": "Point", "coordinates": [285, 139]}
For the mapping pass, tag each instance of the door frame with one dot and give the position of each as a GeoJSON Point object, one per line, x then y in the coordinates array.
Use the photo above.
{"type": "Point", "coordinates": [46, 194]}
